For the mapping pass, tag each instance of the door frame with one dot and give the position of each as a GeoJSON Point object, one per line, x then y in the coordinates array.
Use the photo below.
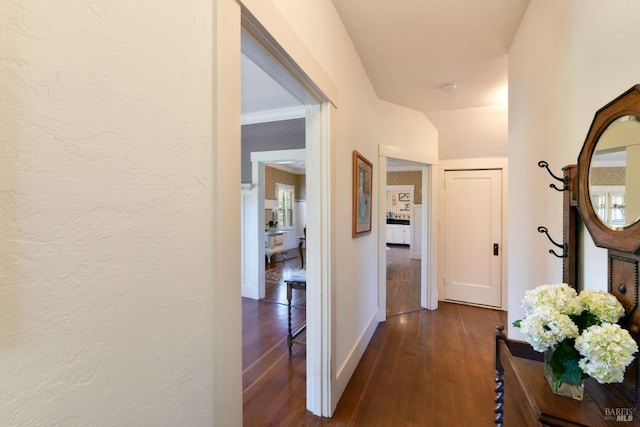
{"type": "Point", "coordinates": [253, 262]}
{"type": "Point", "coordinates": [319, 100]}
{"type": "Point", "coordinates": [501, 163]}
{"type": "Point", "coordinates": [429, 230]}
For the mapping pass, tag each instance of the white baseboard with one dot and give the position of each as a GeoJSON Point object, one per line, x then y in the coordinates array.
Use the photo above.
{"type": "Point", "coordinates": [250, 291]}
{"type": "Point", "coordinates": [345, 371]}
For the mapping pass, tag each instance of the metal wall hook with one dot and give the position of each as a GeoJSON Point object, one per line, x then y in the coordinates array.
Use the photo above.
{"type": "Point", "coordinates": [557, 255]}
{"type": "Point", "coordinates": [563, 246]}
{"type": "Point", "coordinates": [565, 184]}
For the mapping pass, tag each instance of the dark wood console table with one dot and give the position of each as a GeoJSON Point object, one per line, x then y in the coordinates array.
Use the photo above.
{"type": "Point", "coordinates": [523, 397]}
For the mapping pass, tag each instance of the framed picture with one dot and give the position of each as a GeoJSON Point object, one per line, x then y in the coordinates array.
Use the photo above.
{"type": "Point", "coordinates": [362, 192]}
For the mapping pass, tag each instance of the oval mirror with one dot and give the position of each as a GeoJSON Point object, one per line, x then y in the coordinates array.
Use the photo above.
{"type": "Point", "coordinates": [614, 174]}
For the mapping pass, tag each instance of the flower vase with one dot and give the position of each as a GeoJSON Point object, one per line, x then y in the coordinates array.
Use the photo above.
{"type": "Point", "coordinates": [561, 388]}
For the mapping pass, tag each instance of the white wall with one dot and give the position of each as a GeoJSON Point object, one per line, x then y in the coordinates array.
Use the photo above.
{"type": "Point", "coordinates": [568, 59]}
{"type": "Point", "coordinates": [226, 269]}
{"type": "Point", "coordinates": [362, 122]}
{"type": "Point", "coordinates": [120, 297]}
{"type": "Point", "coordinates": [106, 183]}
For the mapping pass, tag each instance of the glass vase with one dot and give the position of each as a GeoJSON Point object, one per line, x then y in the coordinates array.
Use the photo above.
{"type": "Point", "coordinates": [561, 388]}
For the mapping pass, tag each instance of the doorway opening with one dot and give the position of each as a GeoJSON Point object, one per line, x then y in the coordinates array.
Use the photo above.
{"type": "Point", "coordinates": [273, 166]}
{"type": "Point", "coordinates": [403, 237]}
{"type": "Point", "coordinates": [424, 229]}
{"type": "Point", "coordinates": [269, 57]}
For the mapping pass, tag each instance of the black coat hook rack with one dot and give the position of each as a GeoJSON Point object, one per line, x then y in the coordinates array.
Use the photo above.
{"type": "Point", "coordinates": [565, 184]}
{"type": "Point", "coordinates": [561, 246]}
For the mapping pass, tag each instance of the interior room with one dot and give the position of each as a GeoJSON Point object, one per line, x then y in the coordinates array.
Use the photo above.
{"type": "Point", "coordinates": [403, 237]}
{"type": "Point", "coordinates": [128, 249]}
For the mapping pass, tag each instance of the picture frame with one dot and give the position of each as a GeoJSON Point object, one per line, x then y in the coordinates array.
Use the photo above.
{"type": "Point", "coordinates": [362, 195]}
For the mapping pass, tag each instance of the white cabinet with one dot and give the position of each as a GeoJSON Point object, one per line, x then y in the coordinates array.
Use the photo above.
{"type": "Point", "coordinates": [406, 234]}
{"type": "Point", "coordinates": [399, 234]}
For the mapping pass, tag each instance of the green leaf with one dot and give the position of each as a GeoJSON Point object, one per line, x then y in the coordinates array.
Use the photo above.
{"type": "Point", "coordinates": [517, 323]}
{"type": "Point", "coordinates": [585, 319]}
{"type": "Point", "coordinates": [564, 363]}
{"type": "Point", "coordinates": [572, 372]}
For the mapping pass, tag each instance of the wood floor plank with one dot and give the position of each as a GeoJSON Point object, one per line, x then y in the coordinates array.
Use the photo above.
{"type": "Point", "coordinates": [403, 281]}
{"type": "Point", "coordinates": [421, 368]}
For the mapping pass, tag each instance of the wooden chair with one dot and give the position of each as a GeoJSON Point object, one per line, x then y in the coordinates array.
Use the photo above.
{"type": "Point", "coordinates": [301, 241]}
{"type": "Point", "coordinates": [296, 280]}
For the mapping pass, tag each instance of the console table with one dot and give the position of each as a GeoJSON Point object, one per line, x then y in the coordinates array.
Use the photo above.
{"type": "Point", "coordinates": [273, 243]}
{"type": "Point", "coordinates": [523, 397]}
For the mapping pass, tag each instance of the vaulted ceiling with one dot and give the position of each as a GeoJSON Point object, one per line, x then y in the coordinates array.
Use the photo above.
{"type": "Point", "coordinates": [412, 49]}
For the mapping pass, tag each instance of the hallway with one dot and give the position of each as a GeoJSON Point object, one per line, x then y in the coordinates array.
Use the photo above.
{"type": "Point", "coordinates": [421, 368]}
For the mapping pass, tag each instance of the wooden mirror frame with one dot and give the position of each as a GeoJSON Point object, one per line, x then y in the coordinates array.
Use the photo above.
{"type": "Point", "coordinates": [623, 257]}
{"type": "Point", "coordinates": [627, 239]}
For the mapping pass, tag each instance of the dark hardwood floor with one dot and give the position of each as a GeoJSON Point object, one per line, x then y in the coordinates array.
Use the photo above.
{"type": "Point", "coordinates": [422, 368]}
{"type": "Point", "coordinates": [403, 281]}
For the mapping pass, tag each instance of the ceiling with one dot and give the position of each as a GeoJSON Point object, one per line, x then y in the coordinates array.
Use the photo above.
{"type": "Point", "coordinates": [412, 49]}
{"type": "Point", "coordinates": [261, 93]}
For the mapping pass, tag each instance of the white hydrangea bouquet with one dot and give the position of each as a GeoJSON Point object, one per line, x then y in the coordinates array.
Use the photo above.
{"type": "Point", "coordinates": [578, 333]}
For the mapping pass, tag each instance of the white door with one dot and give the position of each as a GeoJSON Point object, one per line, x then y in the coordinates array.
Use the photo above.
{"type": "Point", "coordinates": [472, 236]}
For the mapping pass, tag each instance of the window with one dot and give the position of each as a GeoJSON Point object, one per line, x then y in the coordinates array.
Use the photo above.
{"type": "Point", "coordinates": [286, 194]}
{"type": "Point", "coordinates": [609, 204]}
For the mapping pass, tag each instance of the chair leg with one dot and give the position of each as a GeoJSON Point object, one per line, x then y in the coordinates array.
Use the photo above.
{"type": "Point", "coordinates": [301, 255]}
{"type": "Point", "coordinates": [289, 337]}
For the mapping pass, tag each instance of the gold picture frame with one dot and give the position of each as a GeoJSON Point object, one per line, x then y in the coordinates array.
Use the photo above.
{"type": "Point", "coordinates": [362, 195]}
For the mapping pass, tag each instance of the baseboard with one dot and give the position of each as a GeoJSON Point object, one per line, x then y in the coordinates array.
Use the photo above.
{"type": "Point", "coordinates": [346, 370]}
{"type": "Point", "coordinates": [250, 291]}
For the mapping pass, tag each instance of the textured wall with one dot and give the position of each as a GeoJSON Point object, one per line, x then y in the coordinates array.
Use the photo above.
{"type": "Point", "coordinates": [408, 178]}
{"type": "Point", "coordinates": [607, 176]}
{"type": "Point", "coordinates": [106, 213]}
{"type": "Point", "coordinates": [275, 175]}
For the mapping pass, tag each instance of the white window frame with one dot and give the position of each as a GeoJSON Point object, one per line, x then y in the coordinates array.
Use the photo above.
{"type": "Point", "coordinates": [605, 200]}
{"type": "Point", "coordinates": [281, 218]}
